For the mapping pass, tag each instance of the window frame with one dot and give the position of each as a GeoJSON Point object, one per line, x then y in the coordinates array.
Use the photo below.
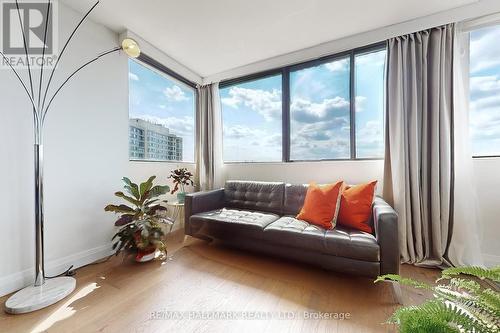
{"type": "Point", "coordinates": [149, 62]}
{"type": "Point", "coordinates": [285, 98]}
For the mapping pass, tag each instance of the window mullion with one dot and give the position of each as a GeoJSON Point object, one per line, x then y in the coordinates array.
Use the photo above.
{"type": "Point", "coordinates": [285, 107]}
{"type": "Point", "coordinates": [352, 106]}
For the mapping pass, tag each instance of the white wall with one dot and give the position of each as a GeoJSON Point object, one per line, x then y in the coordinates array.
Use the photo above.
{"type": "Point", "coordinates": [86, 155]}
{"type": "Point", "coordinates": [352, 172]}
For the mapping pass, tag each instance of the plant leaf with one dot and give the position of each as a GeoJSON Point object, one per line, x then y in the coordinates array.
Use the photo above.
{"type": "Point", "coordinates": [402, 280]}
{"type": "Point", "coordinates": [131, 188]}
{"type": "Point", "coordinates": [146, 186]}
{"type": "Point", "coordinates": [119, 209]}
{"type": "Point", "coordinates": [124, 219]}
{"type": "Point", "coordinates": [129, 199]}
{"type": "Point", "coordinates": [479, 272]}
{"type": "Point", "coordinates": [157, 191]}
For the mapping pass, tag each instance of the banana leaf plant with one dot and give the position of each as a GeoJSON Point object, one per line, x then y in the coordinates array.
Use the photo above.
{"type": "Point", "coordinates": [140, 220]}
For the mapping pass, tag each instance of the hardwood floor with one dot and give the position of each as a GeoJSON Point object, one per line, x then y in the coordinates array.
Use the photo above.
{"type": "Point", "coordinates": [202, 279]}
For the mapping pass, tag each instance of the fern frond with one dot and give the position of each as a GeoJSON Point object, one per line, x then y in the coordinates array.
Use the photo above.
{"type": "Point", "coordinates": [479, 272]}
{"type": "Point", "coordinates": [404, 281]}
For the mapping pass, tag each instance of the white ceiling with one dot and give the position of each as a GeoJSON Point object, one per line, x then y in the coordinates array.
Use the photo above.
{"type": "Point", "coordinates": [211, 36]}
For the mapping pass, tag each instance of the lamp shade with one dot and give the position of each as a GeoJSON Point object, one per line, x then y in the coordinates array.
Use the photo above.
{"type": "Point", "coordinates": [131, 48]}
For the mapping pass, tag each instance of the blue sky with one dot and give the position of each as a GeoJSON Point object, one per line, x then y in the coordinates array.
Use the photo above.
{"type": "Point", "coordinates": [485, 91]}
{"type": "Point", "coordinates": [319, 113]}
{"type": "Point", "coordinates": [156, 98]}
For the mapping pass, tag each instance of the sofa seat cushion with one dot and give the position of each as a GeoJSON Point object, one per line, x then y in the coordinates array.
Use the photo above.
{"type": "Point", "coordinates": [238, 222]}
{"type": "Point", "coordinates": [341, 241]}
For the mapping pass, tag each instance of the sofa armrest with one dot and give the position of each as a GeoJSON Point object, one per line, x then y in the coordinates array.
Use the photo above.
{"type": "Point", "coordinates": [385, 220]}
{"type": "Point", "coordinates": [201, 202]}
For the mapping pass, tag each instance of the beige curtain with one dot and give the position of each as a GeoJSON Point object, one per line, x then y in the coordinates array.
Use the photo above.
{"type": "Point", "coordinates": [419, 168]}
{"type": "Point", "coordinates": [208, 139]}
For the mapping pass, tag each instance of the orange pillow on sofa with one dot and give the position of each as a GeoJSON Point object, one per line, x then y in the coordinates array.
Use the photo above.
{"type": "Point", "coordinates": [321, 204]}
{"type": "Point", "coordinates": [356, 206]}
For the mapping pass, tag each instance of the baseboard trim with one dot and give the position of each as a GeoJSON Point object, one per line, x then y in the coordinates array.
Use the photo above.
{"type": "Point", "coordinates": [16, 281]}
{"type": "Point", "coordinates": [491, 260]}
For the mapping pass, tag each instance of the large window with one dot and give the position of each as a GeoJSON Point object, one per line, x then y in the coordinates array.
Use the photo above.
{"type": "Point", "coordinates": [161, 116]}
{"type": "Point", "coordinates": [327, 109]}
{"type": "Point", "coordinates": [252, 121]}
{"type": "Point", "coordinates": [485, 91]}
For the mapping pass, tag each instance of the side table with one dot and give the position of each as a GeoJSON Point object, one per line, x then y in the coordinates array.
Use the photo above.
{"type": "Point", "coordinates": [175, 212]}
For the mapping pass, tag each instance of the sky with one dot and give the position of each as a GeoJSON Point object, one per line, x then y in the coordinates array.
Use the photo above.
{"type": "Point", "coordinates": [319, 113]}
{"type": "Point", "coordinates": [485, 91]}
{"type": "Point", "coordinates": [154, 97]}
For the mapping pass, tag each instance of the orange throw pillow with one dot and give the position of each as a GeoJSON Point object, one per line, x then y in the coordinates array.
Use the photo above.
{"type": "Point", "coordinates": [356, 206]}
{"type": "Point", "coordinates": [321, 205]}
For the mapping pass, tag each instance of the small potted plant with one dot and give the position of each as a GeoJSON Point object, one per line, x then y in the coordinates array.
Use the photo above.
{"type": "Point", "coordinates": [140, 223]}
{"type": "Point", "coordinates": [181, 177]}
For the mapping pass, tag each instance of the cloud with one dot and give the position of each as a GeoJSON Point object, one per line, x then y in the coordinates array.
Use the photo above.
{"type": "Point", "coordinates": [266, 103]}
{"type": "Point", "coordinates": [305, 111]}
{"type": "Point", "coordinates": [372, 59]}
{"type": "Point", "coordinates": [326, 139]}
{"type": "Point", "coordinates": [370, 139]}
{"type": "Point", "coordinates": [338, 65]}
{"type": "Point", "coordinates": [485, 49]}
{"type": "Point", "coordinates": [181, 126]}
{"type": "Point", "coordinates": [243, 143]}
{"type": "Point", "coordinates": [485, 114]}
{"type": "Point", "coordinates": [133, 76]}
{"type": "Point", "coordinates": [175, 94]}
{"type": "Point", "coordinates": [360, 103]}
{"type": "Point", "coordinates": [483, 86]}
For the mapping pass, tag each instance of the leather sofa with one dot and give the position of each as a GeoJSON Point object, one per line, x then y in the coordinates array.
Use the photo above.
{"type": "Point", "coordinates": [260, 216]}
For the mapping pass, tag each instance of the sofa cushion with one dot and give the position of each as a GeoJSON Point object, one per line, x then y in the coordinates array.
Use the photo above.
{"type": "Point", "coordinates": [231, 222]}
{"type": "Point", "coordinates": [259, 196]}
{"type": "Point", "coordinates": [341, 241]}
{"type": "Point", "coordinates": [321, 206]}
{"type": "Point", "coordinates": [294, 198]}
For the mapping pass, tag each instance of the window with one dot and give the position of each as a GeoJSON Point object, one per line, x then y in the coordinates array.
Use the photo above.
{"type": "Point", "coordinates": [161, 116]}
{"type": "Point", "coordinates": [485, 91]}
{"type": "Point", "coordinates": [369, 103]}
{"type": "Point", "coordinates": [326, 109]}
{"type": "Point", "coordinates": [320, 111]}
{"type": "Point", "coordinates": [252, 123]}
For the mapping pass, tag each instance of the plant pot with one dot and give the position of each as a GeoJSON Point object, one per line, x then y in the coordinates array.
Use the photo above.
{"type": "Point", "coordinates": [145, 255]}
{"type": "Point", "coordinates": [181, 196]}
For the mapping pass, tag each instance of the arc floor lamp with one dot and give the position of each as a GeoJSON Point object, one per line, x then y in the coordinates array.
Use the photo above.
{"type": "Point", "coordinates": [47, 291]}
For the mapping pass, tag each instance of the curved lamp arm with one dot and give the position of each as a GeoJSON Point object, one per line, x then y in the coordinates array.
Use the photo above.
{"type": "Point", "coordinates": [129, 46]}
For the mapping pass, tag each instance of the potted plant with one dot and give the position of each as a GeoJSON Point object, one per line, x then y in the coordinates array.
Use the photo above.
{"type": "Point", "coordinates": [461, 305]}
{"type": "Point", "coordinates": [181, 177]}
{"type": "Point", "coordinates": [140, 222]}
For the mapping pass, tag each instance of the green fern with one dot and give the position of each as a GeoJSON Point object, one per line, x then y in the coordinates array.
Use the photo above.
{"type": "Point", "coordinates": [460, 305]}
{"type": "Point", "coordinates": [492, 274]}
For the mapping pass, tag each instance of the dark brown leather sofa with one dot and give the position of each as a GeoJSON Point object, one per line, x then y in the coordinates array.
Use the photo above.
{"type": "Point", "coordinates": [260, 217]}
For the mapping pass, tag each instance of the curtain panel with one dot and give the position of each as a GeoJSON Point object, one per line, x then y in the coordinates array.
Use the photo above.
{"type": "Point", "coordinates": [418, 175]}
{"type": "Point", "coordinates": [208, 138]}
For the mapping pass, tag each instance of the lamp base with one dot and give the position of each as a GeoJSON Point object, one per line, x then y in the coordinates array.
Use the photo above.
{"type": "Point", "coordinates": [34, 298]}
